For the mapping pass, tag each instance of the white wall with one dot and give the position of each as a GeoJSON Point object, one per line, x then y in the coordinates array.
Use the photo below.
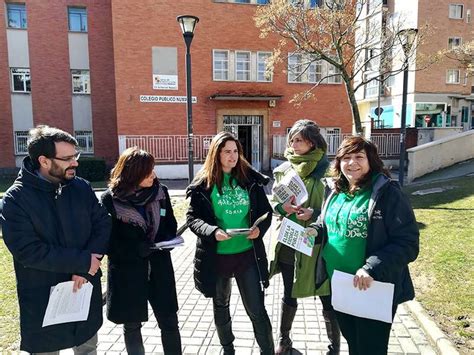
{"type": "Point", "coordinates": [22, 112]}
{"type": "Point", "coordinates": [17, 42]}
{"type": "Point", "coordinates": [82, 112]}
{"type": "Point", "coordinates": [440, 154]}
{"type": "Point", "coordinates": [175, 171]}
{"type": "Point", "coordinates": [78, 50]}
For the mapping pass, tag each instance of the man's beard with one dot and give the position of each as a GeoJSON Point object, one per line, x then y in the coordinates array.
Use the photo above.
{"type": "Point", "coordinates": [57, 172]}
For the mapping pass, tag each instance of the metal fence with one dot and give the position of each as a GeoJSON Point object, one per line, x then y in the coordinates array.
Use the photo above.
{"type": "Point", "coordinates": [168, 148]}
{"type": "Point", "coordinates": [388, 144]}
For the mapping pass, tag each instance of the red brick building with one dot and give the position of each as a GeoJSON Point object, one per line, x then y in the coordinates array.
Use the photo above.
{"type": "Point", "coordinates": [136, 57]}
{"type": "Point", "coordinates": [57, 68]}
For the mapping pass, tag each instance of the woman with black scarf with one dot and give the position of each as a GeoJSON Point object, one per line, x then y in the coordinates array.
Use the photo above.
{"type": "Point", "coordinates": [142, 215]}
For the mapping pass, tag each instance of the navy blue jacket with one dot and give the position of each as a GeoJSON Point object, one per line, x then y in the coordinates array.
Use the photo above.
{"type": "Point", "coordinates": [51, 232]}
{"type": "Point", "coordinates": [392, 237]}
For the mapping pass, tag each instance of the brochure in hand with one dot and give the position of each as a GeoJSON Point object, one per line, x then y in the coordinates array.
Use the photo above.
{"type": "Point", "coordinates": [246, 231]}
{"type": "Point", "coordinates": [297, 237]}
{"type": "Point", "coordinates": [290, 185]}
{"type": "Point", "coordinates": [177, 241]}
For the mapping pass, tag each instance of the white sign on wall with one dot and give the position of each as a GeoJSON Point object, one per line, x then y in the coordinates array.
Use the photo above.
{"type": "Point", "coordinates": [276, 123]}
{"type": "Point", "coordinates": [166, 99]}
{"type": "Point", "coordinates": [165, 82]}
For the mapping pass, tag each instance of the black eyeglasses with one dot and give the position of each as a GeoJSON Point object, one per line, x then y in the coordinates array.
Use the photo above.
{"type": "Point", "coordinates": [69, 159]}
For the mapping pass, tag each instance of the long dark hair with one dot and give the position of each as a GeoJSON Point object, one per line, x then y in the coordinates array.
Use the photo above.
{"type": "Point", "coordinates": [356, 144]}
{"type": "Point", "coordinates": [132, 167]}
{"type": "Point", "coordinates": [211, 172]}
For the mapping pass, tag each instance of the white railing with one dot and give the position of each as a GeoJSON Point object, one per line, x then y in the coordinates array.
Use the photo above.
{"type": "Point", "coordinates": [21, 142]}
{"type": "Point", "coordinates": [388, 144]}
{"type": "Point", "coordinates": [85, 141]}
{"type": "Point", "coordinates": [170, 149]}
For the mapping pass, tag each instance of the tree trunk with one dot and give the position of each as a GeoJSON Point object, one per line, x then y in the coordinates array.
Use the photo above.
{"type": "Point", "coordinates": [354, 107]}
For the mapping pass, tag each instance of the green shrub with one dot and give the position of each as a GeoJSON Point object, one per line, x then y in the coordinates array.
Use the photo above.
{"type": "Point", "coordinates": [92, 169]}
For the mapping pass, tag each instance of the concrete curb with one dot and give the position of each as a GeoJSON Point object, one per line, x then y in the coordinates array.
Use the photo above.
{"type": "Point", "coordinates": [436, 335]}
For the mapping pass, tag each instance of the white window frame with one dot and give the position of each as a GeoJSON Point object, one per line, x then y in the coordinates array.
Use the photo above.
{"type": "Point", "coordinates": [243, 71]}
{"type": "Point", "coordinates": [24, 73]}
{"type": "Point", "coordinates": [449, 73]}
{"type": "Point", "coordinates": [84, 77]}
{"type": "Point", "coordinates": [87, 138]}
{"type": "Point", "coordinates": [295, 70]}
{"type": "Point", "coordinates": [21, 8]}
{"type": "Point", "coordinates": [312, 71]}
{"type": "Point", "coordinates": [20, 139]}
{"type": "Point", "coordinates": [265, 78]}
{"type": "Point", "coordinates": [453, 11]}
{"type": "Point", "coordinates": [331, 69]}
{"type": "Point", "coordinates": [214, 70]}
{"type": "Point", "coordinates": [83, 16]}
{"type": "Point", "coordinates": [451, 41]}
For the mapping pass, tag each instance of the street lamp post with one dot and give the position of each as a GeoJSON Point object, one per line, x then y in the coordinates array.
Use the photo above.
{"type": "Point", "coordinates": [407, 38]}
{"type": "Point", "coordinates": [188, 24]}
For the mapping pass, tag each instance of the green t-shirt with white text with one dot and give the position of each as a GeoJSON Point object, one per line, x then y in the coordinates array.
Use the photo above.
{"type": "Point", "coordinates": [232, 211]}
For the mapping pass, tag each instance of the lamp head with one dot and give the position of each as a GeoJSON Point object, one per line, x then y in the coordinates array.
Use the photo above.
{"type": "Point", "coordinates": [407, 38]}
{"type": "Point", "coordinates": [187, 23]}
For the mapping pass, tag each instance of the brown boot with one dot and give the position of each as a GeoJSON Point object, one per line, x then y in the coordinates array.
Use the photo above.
{"type": "Point", "coordinates": [286, 321]}
{"type": "Point", "coordinates": [333, 332]}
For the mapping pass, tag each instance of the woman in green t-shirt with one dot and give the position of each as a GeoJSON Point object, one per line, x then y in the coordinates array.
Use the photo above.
{"type": "Point", "coordinates": [369, 230]}
{"type": "Point", "coordinates": [228, 194]}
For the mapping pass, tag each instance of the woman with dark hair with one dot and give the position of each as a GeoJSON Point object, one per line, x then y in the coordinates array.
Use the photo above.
{"type": "Point", "coordinates": [227, 194]}
{"type": "Point", "coordinates": [368, 229]}
{"type": "Point", "coordinates": [137, 274]}
{"type": "Point", "coordinates": [306, 154]}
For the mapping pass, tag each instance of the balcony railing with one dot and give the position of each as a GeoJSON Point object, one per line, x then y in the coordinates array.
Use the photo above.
{"type": "Point", "coordinates": [21, 142]}
{"type": "Point", "coordinates": [85, 141]}
{"type": "Point", "coordinates": [168, 148]}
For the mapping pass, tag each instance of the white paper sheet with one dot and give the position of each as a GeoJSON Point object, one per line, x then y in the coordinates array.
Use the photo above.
{"type": "Point", "coordinates": [291, 185]}
{"type": "Point", "coordinates": [65, 306]}
{"type": "Point", "coordinates": [373, 303]}
{"type": "Point", "coordinates": [177, 241]}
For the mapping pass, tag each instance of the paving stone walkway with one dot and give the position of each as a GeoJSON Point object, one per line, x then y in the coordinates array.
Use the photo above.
{"type": "Point", "coordinates": [199, 335]}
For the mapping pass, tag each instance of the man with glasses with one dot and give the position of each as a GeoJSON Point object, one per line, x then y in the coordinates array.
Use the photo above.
{"type": "Point", "coordinates": [56, 231]}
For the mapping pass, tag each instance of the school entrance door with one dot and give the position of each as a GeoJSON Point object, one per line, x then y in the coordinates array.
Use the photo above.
{"type": "Point", "coordinates": [248, 130]}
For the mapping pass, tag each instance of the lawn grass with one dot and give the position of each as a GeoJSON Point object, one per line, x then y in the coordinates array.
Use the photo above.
{"type": "Point", "coordinates": [443, 273]}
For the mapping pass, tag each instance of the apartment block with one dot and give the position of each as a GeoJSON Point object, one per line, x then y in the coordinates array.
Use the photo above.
{"type": "Point", "coordinates": [441, 95]}
{"type": "Point", "coordinates": [57, 68]}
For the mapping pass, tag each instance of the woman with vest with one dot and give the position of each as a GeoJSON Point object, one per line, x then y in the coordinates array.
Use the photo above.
{"type": "Point", "coordinates": [228, 194]}
{"type": "Point", "coordinates": [306, 155]}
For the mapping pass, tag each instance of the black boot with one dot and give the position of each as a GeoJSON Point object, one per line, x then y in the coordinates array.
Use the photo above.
{"type": "Point", "coordinates": [333, 332]}
{"type": "Point", "coordinates": [170, 337]}
{"type": "Point", "coordinates": [262, 329]}
{"type": "Point", "coordinates": [286, 321]}
{"type": "Point", "coordinates": [133, 338]}
{"type": "Point", "coordinates": [224, 329]}
{"type": "Point", "coordinates": [171, 342]}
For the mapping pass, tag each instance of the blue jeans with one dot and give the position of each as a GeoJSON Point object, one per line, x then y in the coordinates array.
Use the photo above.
{"type": "Point", "coordinates": [253, 300]}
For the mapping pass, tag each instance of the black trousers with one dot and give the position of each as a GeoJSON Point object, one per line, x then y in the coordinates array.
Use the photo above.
{"type": "Point", "coordinates": [254, 304]}
{"type": "Point", "coordinates": [364, 336]}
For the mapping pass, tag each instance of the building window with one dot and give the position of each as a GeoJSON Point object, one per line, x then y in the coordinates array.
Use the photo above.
{"type": "Point", "coordinates": [315, 72]}
{"type": "Point", "coordinates": [242, 1]}
{"type": "Point", "coordinates": [455, 11]}
{"type": "Point", "coordinates": [221, 65]}
{"type": "Point", "coordinates": [16, 16]}
{"type": "Point", "coordinates": [452, 76]}
{"type": "Point", "coordinates": [77, 19]}
{"type": "Point", "coordinates": [80, 82]}
{"type": "Point", "coordinates": [85, 141]}
{"type": "Point", "coordinates": [262, 58]}
{"type": "Point", "coordinates": [242, 66]}
{"type": "Point", "coordinates": [21, 142]}
{"type": "Point", "coordinates": [263, 2]}
{"type": "Point", "coordinates": [454, 42]}
{"type": "Point", "coordinates": [295, 68]}
{"type": "Point", "coordinates": [303, 70]}
{"type": "Point", "coordinates": [21, 80]}
{"type": "Point", "coordinates": [372, 87]}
